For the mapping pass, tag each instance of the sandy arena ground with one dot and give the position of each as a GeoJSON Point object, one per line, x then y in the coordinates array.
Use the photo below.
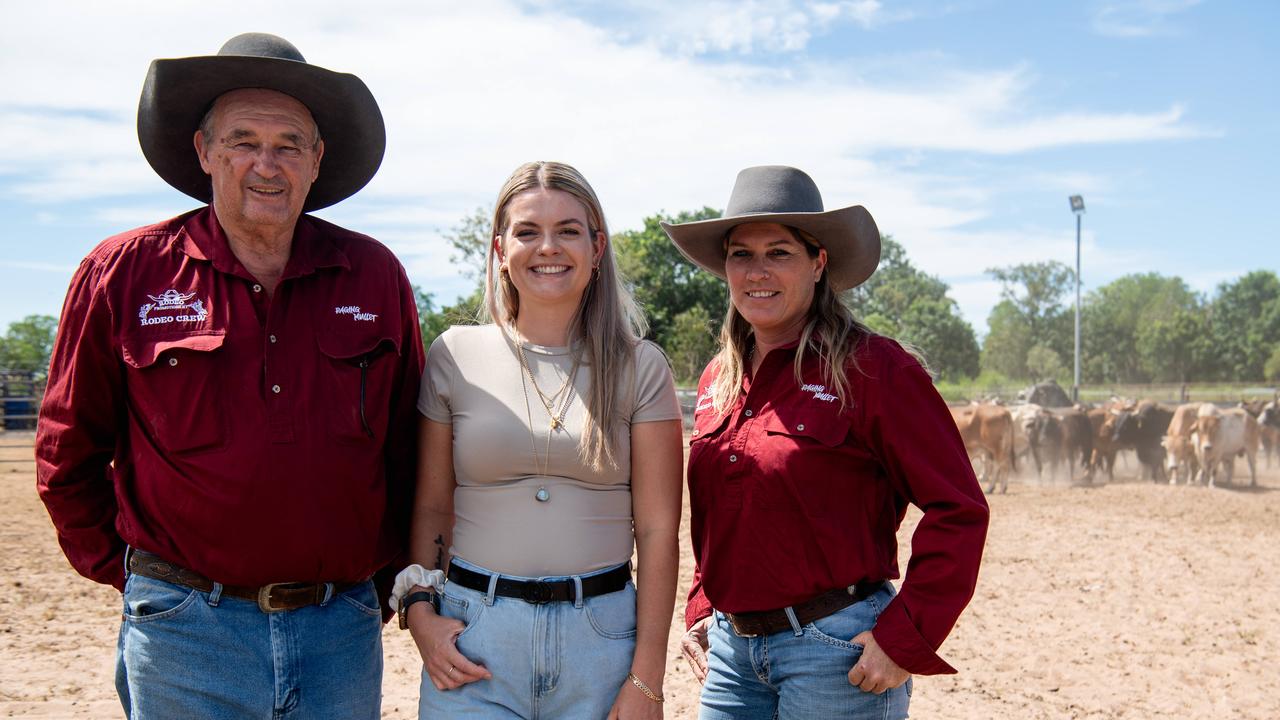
{"type": "Point", "coordinates": [1129, 600]}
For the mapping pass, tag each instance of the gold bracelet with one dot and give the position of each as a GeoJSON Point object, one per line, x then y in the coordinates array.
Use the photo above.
{"type": "Point", "coordinates": [645, 688]}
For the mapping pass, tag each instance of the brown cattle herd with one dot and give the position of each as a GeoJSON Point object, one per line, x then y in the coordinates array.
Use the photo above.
{"type": "Point", "coordinates": [1192, 443]}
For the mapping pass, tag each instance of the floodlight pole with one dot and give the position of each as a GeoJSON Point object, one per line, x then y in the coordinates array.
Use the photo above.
{"type": "Point", "coordinates": [1077, 206]}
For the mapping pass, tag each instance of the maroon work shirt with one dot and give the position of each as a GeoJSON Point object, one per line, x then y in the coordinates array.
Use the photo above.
{"type": "Point", "coordinates": [248, 437]}
{"type": "Point", "coordinates": [793, 496]}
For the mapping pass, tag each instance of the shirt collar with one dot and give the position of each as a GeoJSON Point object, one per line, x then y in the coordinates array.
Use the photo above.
{"type": "Point", "coordinates": [203, 238]}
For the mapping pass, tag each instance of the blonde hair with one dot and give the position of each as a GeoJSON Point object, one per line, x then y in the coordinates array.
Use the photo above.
{"type": "Point", "coordinates": [831, 331]}
{"type": "Point", "coordinates": [608, 324]}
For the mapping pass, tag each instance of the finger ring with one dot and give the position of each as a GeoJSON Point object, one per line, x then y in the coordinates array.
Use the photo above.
{"type": "Point", "coordinates": [451, 669]}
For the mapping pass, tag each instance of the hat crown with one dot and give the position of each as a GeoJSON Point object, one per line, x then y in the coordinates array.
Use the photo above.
{"type": "Point", "coordinates": [773, 189]}
{"type": "Point", "coordinates": [261, 45]}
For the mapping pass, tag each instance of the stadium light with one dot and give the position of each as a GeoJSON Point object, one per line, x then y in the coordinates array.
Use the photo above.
{"type": "Point", "coordinates": [1077, 207]}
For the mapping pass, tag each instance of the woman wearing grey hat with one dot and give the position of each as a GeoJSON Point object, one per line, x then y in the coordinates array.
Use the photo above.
{"type": "Point", "coordinates": [811, 436]}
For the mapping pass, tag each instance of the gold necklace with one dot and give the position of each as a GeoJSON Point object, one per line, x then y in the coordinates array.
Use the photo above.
{"type": "Point", "coordinates": [557, 419]}
{"type": "Point", "coordinates": [548, 403]}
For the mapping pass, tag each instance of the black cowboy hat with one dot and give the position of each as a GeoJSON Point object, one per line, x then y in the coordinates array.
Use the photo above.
{"type": "Point", "coordinates": [178, 92]}
{"type": "Point", "coordinates": [787, 196]}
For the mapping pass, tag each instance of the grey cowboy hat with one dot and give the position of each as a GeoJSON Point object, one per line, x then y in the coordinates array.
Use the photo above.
{"type": "Point", "coordinates": [785, 195]}
{"type": "Point", "coordinates": [178, 92]}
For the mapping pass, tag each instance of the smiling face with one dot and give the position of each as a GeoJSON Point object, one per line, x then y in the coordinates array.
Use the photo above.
{"type": "Point", "coordinates": [548, 248]}
{"type": "Point", "coordinates": [771, 278]}
{"type": "Point", "coordinates": [262, 154]}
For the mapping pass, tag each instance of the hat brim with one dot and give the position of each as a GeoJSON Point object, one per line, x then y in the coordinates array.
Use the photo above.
{"type": "Point", "coordinates": [849, 235]}
{"type": "Point", "coordinates": [178, 92]}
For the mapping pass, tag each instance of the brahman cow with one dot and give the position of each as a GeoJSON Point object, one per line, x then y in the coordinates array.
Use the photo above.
{"type": "Point", "coordinates": [1221, 435]}
{"type": "Point", "coordinates": [1268, 425]}
{"type": "Point", "coordinates": [988, 435]}
{"type": "Point", "coordinates": [1179, 448]}
{"type": "Point", "coordinates": [1142, 429]}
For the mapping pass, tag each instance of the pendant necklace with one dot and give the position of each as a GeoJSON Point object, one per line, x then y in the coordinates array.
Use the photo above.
{"type": "Point", "coordinates": [548, 404]}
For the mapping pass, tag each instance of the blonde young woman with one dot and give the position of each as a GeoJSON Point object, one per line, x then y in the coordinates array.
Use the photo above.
{"type": "Point", "coordinates": [550, 447]}
{"type": "Point", "coordinates": [811, 436]}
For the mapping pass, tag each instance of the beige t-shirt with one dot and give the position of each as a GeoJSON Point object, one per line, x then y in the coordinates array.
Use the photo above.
{"type": "Point", "coordinates": [503, 463]}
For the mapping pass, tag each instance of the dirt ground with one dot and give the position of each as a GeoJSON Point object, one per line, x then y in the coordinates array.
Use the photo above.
{"type": "Point", "coordinates": [1128, 600]}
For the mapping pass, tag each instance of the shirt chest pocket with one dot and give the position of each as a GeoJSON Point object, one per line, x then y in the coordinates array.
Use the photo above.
{"type": "Point", "coordinates": [174, 390]}
{"type": "Point", "coordinates": [358, 378]}
{"type": "Point", "coordinates": [803, 461]}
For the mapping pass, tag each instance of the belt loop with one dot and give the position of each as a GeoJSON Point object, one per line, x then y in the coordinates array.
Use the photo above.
{"type": "Point", "coordinates": [795, 624]}
{"type": "Point", "coordinates": [577, 592]}
{"type": "Point", "coordinates": [215, 595]}
{"type": "Point", "coordinates": [128, 550]}
{"type": "Point", "coordinates": [493, 590]}
{"type": "Point", "coordinates": [328, 594]}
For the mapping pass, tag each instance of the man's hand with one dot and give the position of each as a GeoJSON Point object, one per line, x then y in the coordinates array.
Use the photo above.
{"type": "Point", "coordinates": [694, 646]}
{"type": "Point", "coordinates": [875, 671]}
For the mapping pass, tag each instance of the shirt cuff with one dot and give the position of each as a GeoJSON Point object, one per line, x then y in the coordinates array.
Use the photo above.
{"type": "Point", "coordinates": [697, 608]}
{"type": "Point", "coordinates": [901, 641]}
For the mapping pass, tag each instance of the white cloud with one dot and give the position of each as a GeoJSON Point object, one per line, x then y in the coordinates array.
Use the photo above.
{"type": "Point", "coordinates": [1139, 18]}
{"type": "Point", "coordinates": [469, 91]}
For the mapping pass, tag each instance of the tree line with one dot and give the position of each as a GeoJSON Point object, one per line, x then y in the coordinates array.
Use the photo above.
{"type": "Point", "coordinates": [1140, 328]}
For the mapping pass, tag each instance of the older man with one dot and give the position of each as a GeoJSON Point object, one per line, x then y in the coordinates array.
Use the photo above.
{"type": "Point", "coordinates": [227, 435]}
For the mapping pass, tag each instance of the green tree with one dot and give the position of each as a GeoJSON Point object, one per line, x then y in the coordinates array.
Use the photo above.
{"type": "Point", "coordinates": [1043, 363]}
{"type": "Point", "coordinates": [691, 343]}
{"type": "Point", "coordinates": [1271, 371]}
{"type": "Point", "coordinates": [1244, 319]}
{"type": "Point", "coordinates": [1175, 348]}
{"type": "Point", "coordinates": [1008, 341]}
{"type": "Point", "coordinates": [470, 242]}
{"type": "Point", "coordinates": [1036, 291]}
{"type": "Point", "coordinates": [1114, 317]}
{"type": "Point", "coordinates": [665, 283]}
{"type": "Point", "coordinates": [904, 302]}
{"type": "Point", "coordinates": [28, 343]}
{"type": "Point", "coordinates": [433, 322]}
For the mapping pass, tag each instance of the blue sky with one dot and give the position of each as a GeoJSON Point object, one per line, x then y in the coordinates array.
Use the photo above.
{"type": "Point", "coordinates": [962, 126]}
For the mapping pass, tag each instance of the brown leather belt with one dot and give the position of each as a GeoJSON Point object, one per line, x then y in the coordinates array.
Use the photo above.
{"type": "Point", "coordinates": [272, 597]}
{"type": "Point", "coordinates": [768, 622]}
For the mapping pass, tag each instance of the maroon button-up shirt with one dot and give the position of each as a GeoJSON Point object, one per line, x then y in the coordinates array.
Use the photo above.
{"type": "Point", "coordinates": [793, 495]}
{"type": "Point", "coordinates": [247, 437]}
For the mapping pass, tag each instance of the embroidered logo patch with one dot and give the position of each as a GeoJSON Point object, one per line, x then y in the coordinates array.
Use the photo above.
{"type": "Point", "coordinates": [355, 313]}
{"type": "Point", "coordinates": [819, 392]}
{"type": "Point", "coordinates": [172, 306]}
{"type": "Point", "coordinates": [704, 401]}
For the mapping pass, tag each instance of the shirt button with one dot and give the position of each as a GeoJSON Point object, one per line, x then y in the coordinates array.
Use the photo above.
{"type": "Point", "coordinates": [173, 362]}
{"type": "Point", "coordinates": [800, 427]}
{"type": "Point", "coordinates": [275, 389]}
{"type": "Point", "coordinates": [747, 413]}
{"type": "Point", "coordinates": [257, 288]}
{"type": "Point", "coordinates": [273, 338]}
{"type": "Point", "coordinates": [733, 458]}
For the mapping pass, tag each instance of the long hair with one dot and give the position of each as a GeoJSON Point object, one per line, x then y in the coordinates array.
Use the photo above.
{"type": "Point", "coordinates": [831, 331]}
{"type": "Point", "coordinates": [608, 324]}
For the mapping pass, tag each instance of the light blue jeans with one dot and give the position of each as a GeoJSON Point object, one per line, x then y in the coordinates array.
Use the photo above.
{"type": "Point", "coordinates": [800, 673]}
{"type": "Point", "coordinates": [189, 654]}
{"type": "Point", "coordinates": [560, 660]}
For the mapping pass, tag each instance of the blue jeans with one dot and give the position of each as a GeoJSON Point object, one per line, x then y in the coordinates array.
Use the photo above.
{"type": "Point", "coordinates": [792, 674]}
{"type": "Point", "coordinates": [188, 654]}
{"type": "Point", "coordinates": [555, 660]}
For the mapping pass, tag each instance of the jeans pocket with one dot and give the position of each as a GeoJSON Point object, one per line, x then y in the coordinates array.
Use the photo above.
{"type": "Point", "coordinates": [613, 615]}
{"type": "Point", "coordinates": [147, 599]}
{"type": "Point", "coordinates": [839, 628]}
{"type": "Point", "coordinates": [457, 608]}
{"type": "Point", "coordinates": [363, 597]}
